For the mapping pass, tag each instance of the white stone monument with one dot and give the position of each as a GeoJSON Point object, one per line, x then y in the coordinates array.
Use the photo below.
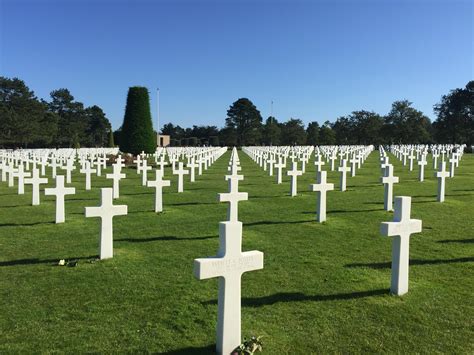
{"type": "Point", "coordinates": [180, 172]}
{"type": "Point", "coordinates": [88, 171]}
{"type": "Point", "coordinates": [106, 211]}
{"type": "Point", "coordinates": [401, 228]}
{"type": "Point", "coordinates": [158, 184]}
{"type": "Point", "coordinates": [294, 173]}
{"type": "Point", "coordinates": [442, 174]}
{"type": "Point", "coordinates": [35, 182]}
{"type": "Point", "coordinates": [343, 169]}
{"type": "Point", "coordinates": [60, 191]}
{"type": "Point", "coordinates": [388, 180]}
{"type": "Point", "coordinates": [322, 187]}
{"type": "Point", "coordinates": [116, 176]}
{"type": "Point", "coordinates": [229, 265]}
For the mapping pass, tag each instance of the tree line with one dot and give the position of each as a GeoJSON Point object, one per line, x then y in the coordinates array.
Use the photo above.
{"type": "Point", "coordinates": [402, 124]}
{"type": "Point", "coordinates": [28, 122]}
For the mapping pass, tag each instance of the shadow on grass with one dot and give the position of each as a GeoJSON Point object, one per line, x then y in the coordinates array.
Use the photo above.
{"type": "Point", "coordinates": [36, 261]}
{"type": "Point", "coordinates": [461, 241]}
{"type": "Point", "coordinates": [164, 238]}
{"type": "Point", "coordinates": [192, 203]}
{"type": "Point", "coordinates": [137, 193]}
{"type": "Point", "coordinates": [15, 206]}
{"type": "Point", "coordinates": [211, 349]}
{"type": "Point", "coordinates": [388, 265]}
{"type": "Point", "coordinates": [301, 297]}
{"type": "Point", "coordinates": [276, 222]}
{"type": "Point", "coordinates": [83, 199]}
{"type": "Point", "coordinates": [24, 224]}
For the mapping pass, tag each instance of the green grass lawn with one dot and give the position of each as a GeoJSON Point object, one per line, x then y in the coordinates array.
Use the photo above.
{"type": "Point", "coordinates": [324, 287]}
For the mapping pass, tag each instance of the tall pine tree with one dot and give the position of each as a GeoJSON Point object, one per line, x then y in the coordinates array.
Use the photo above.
{"type": "Point", "coordinates": [137, 130]}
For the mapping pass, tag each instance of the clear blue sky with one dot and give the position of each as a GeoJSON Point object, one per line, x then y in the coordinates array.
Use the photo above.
{"type": "Point", "coordinates": [317, 60]}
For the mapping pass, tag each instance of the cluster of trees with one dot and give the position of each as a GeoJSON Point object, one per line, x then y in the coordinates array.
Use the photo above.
{"type": "Point", "coordinates": [403, 124]}
{"type": "Point", "coordinates": [26, 121]}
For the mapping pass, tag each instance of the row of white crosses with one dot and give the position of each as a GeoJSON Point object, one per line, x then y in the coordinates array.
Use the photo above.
{"type": "Point", "coordinates": [402, 152]}
{"type": "Point", "coordinates": [400, 229]}
{"type": "Point", "coordinates": [229, 265]}
{"type": "Point", "coordinates": [260, 154]}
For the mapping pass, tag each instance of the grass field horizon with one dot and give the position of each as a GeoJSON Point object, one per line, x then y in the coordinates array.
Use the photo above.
{"type": "Point", "coordinates": [324, 287]}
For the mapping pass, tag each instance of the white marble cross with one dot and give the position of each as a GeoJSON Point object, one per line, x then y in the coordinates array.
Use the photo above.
{"type": "Point", "coordinates": [106, 211]}
{"type": "Point", "coordinates": [116, 175]}
{"type": "Point", "coordinates": [322, 187]}
{"type": "Point", "coordinates": [180, 172]}
{"type": "Point", "coordinates": [88, 171]}
{"type": "Point", "coordinates": [435, 156]}
{"type": "Point", "coordinates": [279, 166]}
{"type": "Point", "coordinates": [69, 168]}
{"type": "Point", "coordinates": [138, 161]}
{"type": "Point", "coordinates": [12, 171]}
{"type": "Point", "coordinates": [54, 166]}
{"type": "Point", "coordinates": [192, 166]}
{"type": "Point", "coordinates": [422, 163]}
{"type": "Point", "coordinates": [332, 158]}
{"type": "Point", "coordinates": [229, 265]}
{"type": "Point", "coordinates": [271, 162]}
{"type": "Point", "coordinates": [233, 196]}
{"type": "Point", "coordinates": [36, 181]}
{"type": "Point", "coordinates": [60, 191]}
{"type": "Point", "coordinates": [158, 184]}
{"type": "Point", "coordinates": [21, 174]}
{"type": "Point", "coordinates": [294, 173]}
{"type": "Point", "coordinates": [388, 180]}
{"type": "Point", "coordinates": [452, 164]}
{"type": "Point", "coordinates": [343, 169]}
{"type": "Point", "coordinates": [144, 171]}
{"type": "Point", "coordinates": [353, 162]}
{"type": "Point", "coordinates": [318, 163]}
{"type": "Point", "coordinates": [384, 163]}
{"type": "Point", "coordinates": [442, 174]}
{"type": "Point", "coordinates": [411, 157]}
{"type": "Point", "coordinates": [401, 228]}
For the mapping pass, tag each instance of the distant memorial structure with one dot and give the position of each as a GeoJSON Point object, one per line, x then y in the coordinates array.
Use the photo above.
{"type": "Point", "coordinates": [162, 140]}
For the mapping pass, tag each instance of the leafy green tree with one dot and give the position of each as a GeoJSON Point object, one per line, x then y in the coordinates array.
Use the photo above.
{"type": "Point", "coordinates": [312, 132]}
{"type": "Point", "coordinates": [245, 119]}
{"type": "Point", "coordinates": [344, 131]}
{"type": "Point", "coordinates": [407, 125]}
{"type": "Point", "coordinates": [214, 141]}
{"type": "Point", "coordinates": [111, 141]}
{"type": "Point", "coordinates": [455, 121]}
{"type": "Point", "coordinates": [367, 127]}
{"type": "Point", "coordinates": [137, 128]}
{"type": "Point", "coordinates": [98, 127]}
{"type": "Point", "coordinates": [293, 132]}
{"type": "Point", "coordinates": [271, 132]}
{"type": "Point", "coordinates": [327, 136]}
{"type": "Point", "coordinates": [175, 132]}
{"type": "Point", "coordinates": [24, 120]}
{"type": "Point", "coordinates": [72, 120]}
{"type": "Point", "coordinates": [228, 136]}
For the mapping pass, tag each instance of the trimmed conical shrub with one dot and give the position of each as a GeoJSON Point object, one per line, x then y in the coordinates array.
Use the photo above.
{"type": "Point", "coordinates": [137, 130]}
